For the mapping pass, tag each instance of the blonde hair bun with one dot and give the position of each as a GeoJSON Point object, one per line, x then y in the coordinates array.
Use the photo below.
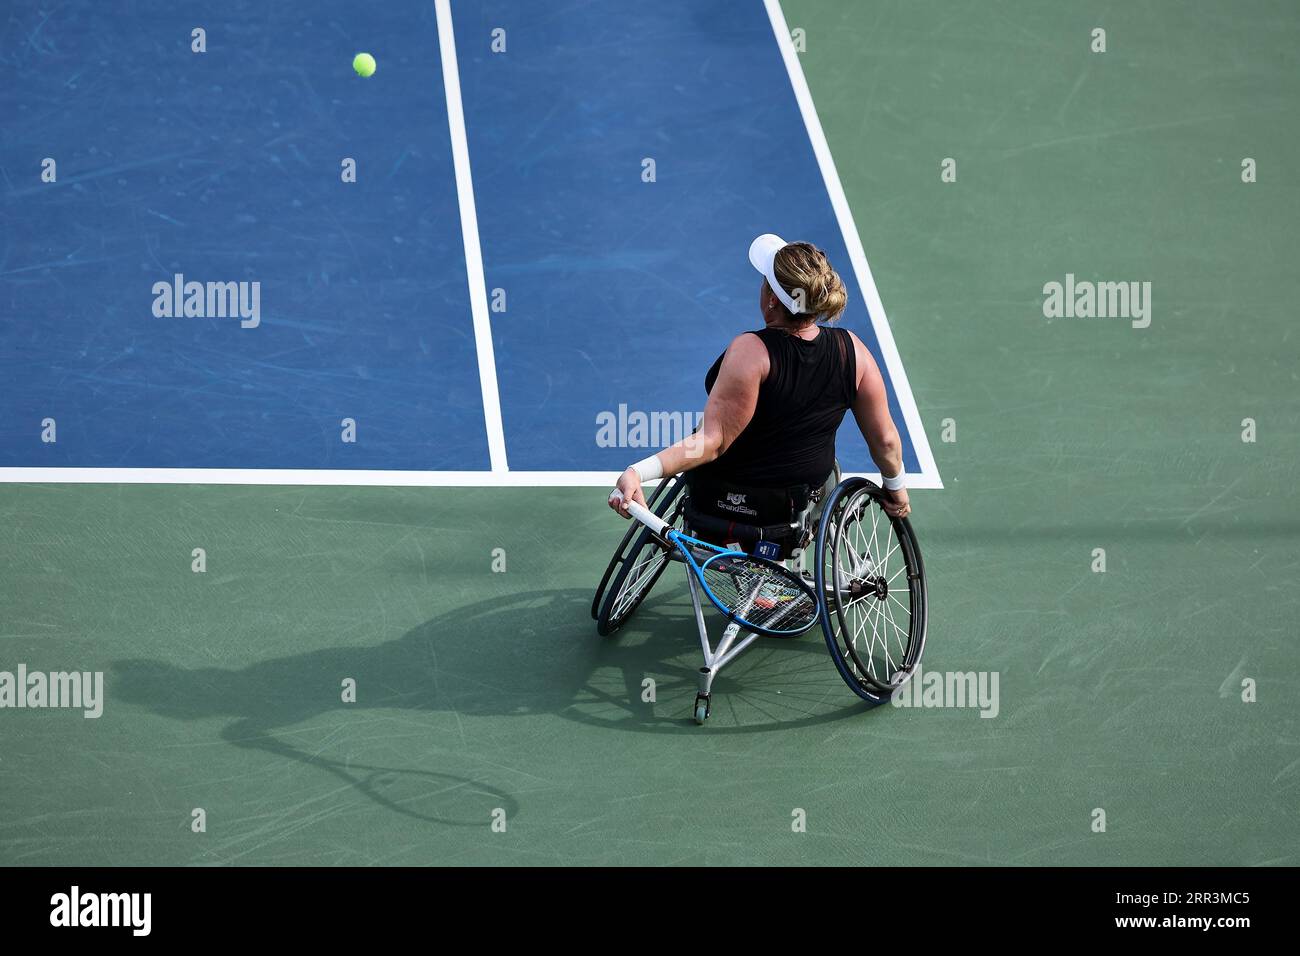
{"type": "Point", "coordinates": [806, 274]}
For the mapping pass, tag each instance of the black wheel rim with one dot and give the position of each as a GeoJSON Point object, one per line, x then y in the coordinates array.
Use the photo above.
{"type": "Point", "coordinates": [875, 617]}
{"type": "Point", "coordinates": [639, 569]}
{"type": "Point", "coordinates": [672, 487]}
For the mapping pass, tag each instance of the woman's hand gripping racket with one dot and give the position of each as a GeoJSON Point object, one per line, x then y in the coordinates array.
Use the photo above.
{"type": "Point", "coordinates": [754, 593]}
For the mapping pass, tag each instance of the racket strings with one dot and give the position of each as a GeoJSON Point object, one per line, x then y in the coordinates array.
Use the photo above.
{"type": "Point", "coordinates": [758, 594]}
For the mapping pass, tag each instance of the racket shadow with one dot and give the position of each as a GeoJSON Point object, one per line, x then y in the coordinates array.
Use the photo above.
{"type": "Point", "coordinates": [404, 790]}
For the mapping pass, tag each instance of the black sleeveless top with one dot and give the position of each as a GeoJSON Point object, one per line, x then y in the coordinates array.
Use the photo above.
{"type": "Point", "coordinates": [791, 438]}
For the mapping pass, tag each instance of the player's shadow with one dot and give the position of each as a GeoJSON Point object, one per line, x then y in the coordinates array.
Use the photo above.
{"type": "Point", "coordinates": [516, 655]}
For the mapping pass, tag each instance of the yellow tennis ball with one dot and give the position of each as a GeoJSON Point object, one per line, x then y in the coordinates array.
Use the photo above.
{"type": "Point", "coordinates": [364, 64]}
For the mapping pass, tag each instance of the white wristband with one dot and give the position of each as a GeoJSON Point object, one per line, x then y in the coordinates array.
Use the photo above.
{"type": "Point", "coordinates": [648, 469]}
{"type": "Point", "coordinates": [895, 483]}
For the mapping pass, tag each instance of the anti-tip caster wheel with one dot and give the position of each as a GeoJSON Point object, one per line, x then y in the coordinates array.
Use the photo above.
{"type": "Point", "coordinates": [701, 708]}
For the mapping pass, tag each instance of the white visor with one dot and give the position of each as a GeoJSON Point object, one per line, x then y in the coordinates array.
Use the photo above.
{"type": "Point", "coordinates": [762, 253]}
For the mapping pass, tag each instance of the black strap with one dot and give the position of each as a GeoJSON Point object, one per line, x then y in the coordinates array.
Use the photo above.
{"type": "Point", "coordinates": [722, 531]}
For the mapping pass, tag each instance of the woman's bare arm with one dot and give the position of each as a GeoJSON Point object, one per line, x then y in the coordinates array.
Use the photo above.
{"type": "Point", "coordinates": [871, 410]}
{"type": "Point", "coordinates": [726, 414]}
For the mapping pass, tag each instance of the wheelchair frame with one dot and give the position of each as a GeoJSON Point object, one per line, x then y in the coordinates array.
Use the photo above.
{"type": "Point", "coordinates": [840, 588]}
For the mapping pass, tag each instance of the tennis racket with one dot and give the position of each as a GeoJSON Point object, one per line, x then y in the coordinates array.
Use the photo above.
{"type": "Point", "coordinates": [754, 593]}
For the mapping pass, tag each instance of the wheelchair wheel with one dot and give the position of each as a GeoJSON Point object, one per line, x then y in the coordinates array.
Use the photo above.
{"type": "Point", "coordinates": [673, 484]}
{"type": "Point", "coordinates": [638, 562]}
{"type": "Point", "coordinates": [872, 582]}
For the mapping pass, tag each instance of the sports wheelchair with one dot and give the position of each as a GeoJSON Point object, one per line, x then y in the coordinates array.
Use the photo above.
{"type": "Point", "coordinates": [867, 577]}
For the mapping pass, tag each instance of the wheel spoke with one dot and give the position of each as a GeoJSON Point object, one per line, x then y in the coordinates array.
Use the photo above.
{"type": "Point", "coordinates": [873, 631]}
{"type": "Point", "coordinates": [893, 668]}
{"type": "Point", "coordinates": [639, 577]}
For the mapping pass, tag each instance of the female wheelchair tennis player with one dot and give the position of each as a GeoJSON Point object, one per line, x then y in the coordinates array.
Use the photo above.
{"type": "Point", "coordinates": [757, 483]}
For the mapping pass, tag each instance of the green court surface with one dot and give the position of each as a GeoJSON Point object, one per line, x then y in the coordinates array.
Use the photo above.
{"type": "Point", "coordinates": [480, 690]}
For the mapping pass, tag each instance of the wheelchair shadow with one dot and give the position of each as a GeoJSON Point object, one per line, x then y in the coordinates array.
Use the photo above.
{"type": "Point", "coordinates": [774, 685]}
{"type": "Point", "coordinates": [516, 655]}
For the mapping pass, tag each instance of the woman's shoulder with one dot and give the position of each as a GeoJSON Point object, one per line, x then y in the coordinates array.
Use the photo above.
{"type": "Point", "coordinates": [751, 347]}
{"type": "Point", "coordinates": [748, 354]}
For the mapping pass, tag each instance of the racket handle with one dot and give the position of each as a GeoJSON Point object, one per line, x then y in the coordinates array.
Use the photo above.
{"type": "Point", "coordinates": [647, 517]}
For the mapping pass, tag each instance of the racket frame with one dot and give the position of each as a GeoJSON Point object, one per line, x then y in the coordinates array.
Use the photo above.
{"type": "Point", "coordinates": [683, 544]}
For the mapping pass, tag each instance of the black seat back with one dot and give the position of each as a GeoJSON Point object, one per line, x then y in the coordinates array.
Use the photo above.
{"type": "Point", "coordinates": [723, 513]}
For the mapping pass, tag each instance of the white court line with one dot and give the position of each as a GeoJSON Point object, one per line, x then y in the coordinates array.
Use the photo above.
{"type": "Point", "coordinates": [929, 477]}
{"type": "Point", "coordinates": [487, 365]}
{"type": "Point", "coordinates": [340, 477]}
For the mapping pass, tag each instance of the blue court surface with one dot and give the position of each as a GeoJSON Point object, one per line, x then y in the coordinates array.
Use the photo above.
{"type": "Point", "coordinates": [470, 310]}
